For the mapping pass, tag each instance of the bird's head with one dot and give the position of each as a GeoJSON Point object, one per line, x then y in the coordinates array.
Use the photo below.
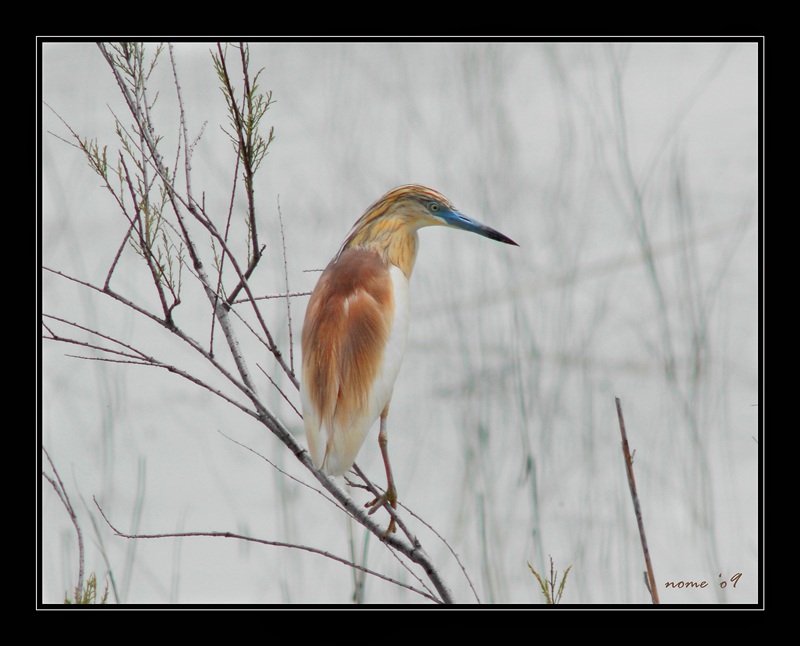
{"type": "Point", "coordinates": [408, 208]}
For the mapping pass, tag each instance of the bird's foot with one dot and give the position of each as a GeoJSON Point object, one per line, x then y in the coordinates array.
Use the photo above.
{"type": "Point", "coordinates": [380, 501]}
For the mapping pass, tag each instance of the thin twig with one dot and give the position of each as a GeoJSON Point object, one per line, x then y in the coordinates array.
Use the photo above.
{"type": "Point", "coordinates": [448, 546]}
{"type": "Point", "coordinates": [261, 541]}
{"type": "Point", "coordinates": [262, 414]}
{"type": "Point", "coordinates": [286, 278]}
{"type": "Point", "coordinates": [276, 467]}
{"type": "Point", "coordinates": [62, 494]}
{"type": "Point", "coordinates": [280, 391]}
{"type": "Point", "coordinates": [269, 296]}
{"type": "Point", "coordinates": [651, 579]}
{"type": "Point", "coordinates": [228, 219]}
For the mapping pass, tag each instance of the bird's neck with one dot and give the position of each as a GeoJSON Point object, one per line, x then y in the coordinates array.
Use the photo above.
{"type": "Point", "coordinates": [394, 239]}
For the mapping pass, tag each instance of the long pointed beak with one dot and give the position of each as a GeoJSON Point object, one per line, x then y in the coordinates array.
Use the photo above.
{"type": "Point", "coordinates": [458, 220]}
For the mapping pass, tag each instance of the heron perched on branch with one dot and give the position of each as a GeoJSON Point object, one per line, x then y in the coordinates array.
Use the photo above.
{"type": "Point", "coordinates": [356, 324]}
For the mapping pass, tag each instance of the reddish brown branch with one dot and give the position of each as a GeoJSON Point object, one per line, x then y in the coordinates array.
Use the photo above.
{"type": "Point", "coordinates": [626, 452]}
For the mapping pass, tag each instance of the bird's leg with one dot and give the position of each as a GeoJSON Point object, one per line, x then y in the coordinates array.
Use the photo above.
{"type": "Point", "coordinates": [390, 495]}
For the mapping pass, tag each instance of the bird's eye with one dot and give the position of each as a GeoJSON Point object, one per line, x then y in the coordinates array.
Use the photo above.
{"type": "Point", "coordinates": [433, 206]}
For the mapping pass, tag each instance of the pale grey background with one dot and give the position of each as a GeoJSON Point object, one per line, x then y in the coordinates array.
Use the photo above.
{"type": "Point", "coordinates": [503, 429]}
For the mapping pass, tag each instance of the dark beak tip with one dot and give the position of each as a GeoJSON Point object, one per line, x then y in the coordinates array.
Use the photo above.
{"type": "Point", "coordinates": [501, 237]}
{"type": "Point", "coordinates": [505, 239]}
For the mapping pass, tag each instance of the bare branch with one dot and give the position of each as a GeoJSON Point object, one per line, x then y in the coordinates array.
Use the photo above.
{"type": "Point", "coordinates": [650, 577]}
{"type": "Point", "coordinates": [261, 541]}
{"type": "Point", "coordinates": [59, 488]}
{"type": "Point", "coordinates": [286, 279]}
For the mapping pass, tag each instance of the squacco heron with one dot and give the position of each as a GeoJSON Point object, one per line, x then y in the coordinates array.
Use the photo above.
{"type": "Point", "coordinates": [356, 324]}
